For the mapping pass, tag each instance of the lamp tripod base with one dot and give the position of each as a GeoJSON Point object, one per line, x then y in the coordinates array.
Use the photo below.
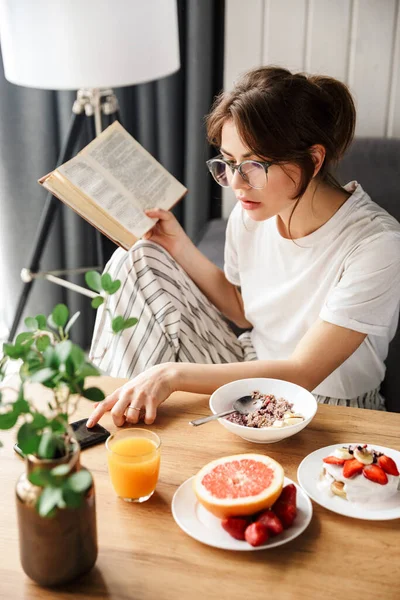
{"type": "Point", "coordinates": [88, 109]}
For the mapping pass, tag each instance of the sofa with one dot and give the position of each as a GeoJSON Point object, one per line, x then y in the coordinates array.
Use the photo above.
{"type": "Point", "coordinates": [375, 164]}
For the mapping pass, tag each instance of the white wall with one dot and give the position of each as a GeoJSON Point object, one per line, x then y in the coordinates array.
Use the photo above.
{"type": "Point", "coordinates": [356, 41]}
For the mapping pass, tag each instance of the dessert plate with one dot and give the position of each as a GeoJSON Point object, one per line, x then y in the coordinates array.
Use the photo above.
{"type": "Point", "coordinates": [201, 525]}
{"type": "Point", "coordinates": [308, 477]}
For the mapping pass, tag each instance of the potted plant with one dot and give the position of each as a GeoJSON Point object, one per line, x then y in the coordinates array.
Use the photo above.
{"type": "Point", "coordinates": [55, 496]}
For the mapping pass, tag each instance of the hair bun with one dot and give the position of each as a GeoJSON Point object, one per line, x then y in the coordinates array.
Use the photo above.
{"type": "Point", "coordinates": [341, 106]}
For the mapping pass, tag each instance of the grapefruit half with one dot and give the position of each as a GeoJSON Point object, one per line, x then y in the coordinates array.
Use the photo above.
{"type": "Point", "coordinates": [242, 484]}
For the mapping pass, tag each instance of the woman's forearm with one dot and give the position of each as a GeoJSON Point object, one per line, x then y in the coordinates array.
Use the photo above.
{"type": "Point", "coordinates": [205, 379]}
{"type": "Point", "coordinates": [213, 283]}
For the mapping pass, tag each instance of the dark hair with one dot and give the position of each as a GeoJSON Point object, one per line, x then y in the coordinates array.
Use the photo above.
{"type": "Point", "coordinates": [280, 116]}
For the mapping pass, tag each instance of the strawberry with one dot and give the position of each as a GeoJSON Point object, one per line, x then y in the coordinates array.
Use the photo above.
{"type": "Point", "coordinates": [286, 513]}
{"type": "Point", "coordinates": [375, 473]}
{"type": "Point", "coordinates": [285, 507]}
{"type": "Point", "coordinates": [388, 465]}
{"type": "Point", "coordinates": [271, 522]}
{"type": "Point", "coordinates": [288, 494]}
{"type": "Point", "coordinates": [333, 460]}
{"type": "Point", "coordinates": [256, 534]}
{"type": "Point", "coordinates": [352, 467]}
{"type": "Point", "coordinates": [235, 526]}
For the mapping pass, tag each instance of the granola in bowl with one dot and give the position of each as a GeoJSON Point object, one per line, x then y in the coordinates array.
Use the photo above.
{"type": "Point", "coordinates": [301, 403]}
{"type": "Point", "coordinates": [274, 412]}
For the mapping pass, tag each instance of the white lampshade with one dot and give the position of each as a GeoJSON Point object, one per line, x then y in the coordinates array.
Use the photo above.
{"type": "Point", "coordinates": [72, 44]}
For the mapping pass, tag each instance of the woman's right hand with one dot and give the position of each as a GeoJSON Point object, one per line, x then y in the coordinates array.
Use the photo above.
{"type": "Point", "coordinates": [167, 232]}
{"type": "Point", "coordinates": [141, 395]}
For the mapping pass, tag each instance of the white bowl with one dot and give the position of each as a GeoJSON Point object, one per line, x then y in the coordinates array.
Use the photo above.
{"type": "Point", "coordinates": [303, 402]}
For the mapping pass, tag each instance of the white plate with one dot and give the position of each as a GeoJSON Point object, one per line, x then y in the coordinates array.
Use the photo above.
{"type": "Point", "coordinates": [308, 476]}
{"type": "Point", "coordinates": [201, 525]}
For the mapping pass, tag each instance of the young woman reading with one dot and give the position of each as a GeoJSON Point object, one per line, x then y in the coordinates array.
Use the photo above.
{"type": "Point", "coordinates": [312, 269]}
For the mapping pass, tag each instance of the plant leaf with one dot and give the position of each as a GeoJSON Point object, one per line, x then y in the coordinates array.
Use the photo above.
{"type": "Point", "coordinates": [41, 321]}
{"type": "Point", "coordinates": [48, 500]}
{"type": "Point", "coordinates": [60, 470]}
{"type": "Point", "coordinates": [88, 370]}
{"type": "Point", "coordinates": [21, 406]}
{"type": "Point", "coordinates": [63, 350]}
{"type": "Point", "coordinates": [72, 321]}
{"type": "Point", "coordinates": [48, 445]}
{"type": "Point", "coordinates": [50, 358]}
{"type": "Point", "coordinates": [77, 357]}
{"type": "Point", "coordinates": [98, 301]}
{"type": "Point", "coordinates": [71, 499]}
{"type": "Point", "coordinates": [40, 477]}
{"type": "Point", "coordinates": [61, 503]}
{"type": "Point", "coordinates": [117, 324]}
{"type": "Point", "coordinates": [94, 394]}
{"type": "Point", "coordinates": [114, 287]}
{"type": "Point", "coordinates": [43, 375]}
{"type": "Point", "coordinates": [31, 323]}
{"type": "Point", "coordinates": [57, 424]}
{"type": "Point", "coordinates": [24, 338]}
{"type": "Point", "coordinates": [39, 421]}
{"type": "Point", "coordinates": [28, 438]}
{"type": "Point", "coordinates": [51, 323]}
{"type": "Point", "coordinates": [106, 281]}
{"type": "Point", "coordinates": [32, 362]}
{"type": "Point", "coordinates": [13, 351]}
{"type": "Point", "coordinates": [42, 342]}
{"type": "Point", "coordinates": [60, 315]}
{"type": "Point", "coordinates": [93, 280]}
{"type": "Point", "coordinates": [79, 482]}
{"type": "Point", "coordinates": [130, 322]}
{"type": "Point", "coordinates": [8, 419]}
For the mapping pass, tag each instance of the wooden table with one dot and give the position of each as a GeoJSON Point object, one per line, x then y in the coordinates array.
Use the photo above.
{"type": "Point", "coordinates": [143, 554]}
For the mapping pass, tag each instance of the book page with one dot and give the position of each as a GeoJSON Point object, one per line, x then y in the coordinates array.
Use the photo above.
{"type": "Point", "coordinates": [123, 178]}
{"type": "Point", "coordinates": [63, 189]}
{"type": "Point", "coordinates": [98, 186]}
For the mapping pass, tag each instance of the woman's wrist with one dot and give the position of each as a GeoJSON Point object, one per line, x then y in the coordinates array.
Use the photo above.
{"type": "Point", "coordinates": [192, 377]}
{"type": "Point", "coordinates": [183, 249]}
{"type": "Point", "coordinates": [171, 376]}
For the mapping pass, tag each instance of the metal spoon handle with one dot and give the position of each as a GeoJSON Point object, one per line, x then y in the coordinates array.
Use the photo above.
{"type": "Point", "coordinates": [211, 417]}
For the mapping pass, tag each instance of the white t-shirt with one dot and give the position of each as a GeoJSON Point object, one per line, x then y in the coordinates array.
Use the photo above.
{"type": "Point", "coordinates": [347, 272]}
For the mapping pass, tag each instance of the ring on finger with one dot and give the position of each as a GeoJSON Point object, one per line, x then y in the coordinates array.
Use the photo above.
{"type": "Point", "coordinates": [134, 408]}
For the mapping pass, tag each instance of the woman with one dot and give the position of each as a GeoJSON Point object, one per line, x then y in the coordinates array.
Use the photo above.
{"type": "Point", "coordinates": [312, 269]}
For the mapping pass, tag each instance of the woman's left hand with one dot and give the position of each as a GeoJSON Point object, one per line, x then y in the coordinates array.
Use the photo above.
{"type": "Point", "coordinates": [145, 392]}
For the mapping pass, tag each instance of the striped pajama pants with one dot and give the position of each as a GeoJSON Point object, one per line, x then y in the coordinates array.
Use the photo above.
{"type": "Point", "coordinates": [176, 322]}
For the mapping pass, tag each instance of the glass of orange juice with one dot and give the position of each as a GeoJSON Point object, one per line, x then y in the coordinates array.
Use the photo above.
{"type": "Point", "coordinates": [134, 463]}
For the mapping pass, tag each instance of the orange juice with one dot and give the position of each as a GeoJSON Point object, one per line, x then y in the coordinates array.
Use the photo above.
{"type": "Point", "coordinates": [134, 463]}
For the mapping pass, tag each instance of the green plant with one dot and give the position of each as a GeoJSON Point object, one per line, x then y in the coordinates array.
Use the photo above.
{"type": "Point", "coordinates": [48, 357]}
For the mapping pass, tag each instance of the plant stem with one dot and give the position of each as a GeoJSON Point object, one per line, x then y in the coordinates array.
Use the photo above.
{"type": "Point", "coordinates": [66, 403]}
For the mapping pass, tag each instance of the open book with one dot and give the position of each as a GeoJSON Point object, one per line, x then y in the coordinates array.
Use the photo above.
{"type": "Point", "coordinates": [111, 182]}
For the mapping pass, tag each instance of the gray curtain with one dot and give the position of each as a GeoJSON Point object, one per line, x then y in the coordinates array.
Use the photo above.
{"type": "Point", "coordinates": [167, 118]}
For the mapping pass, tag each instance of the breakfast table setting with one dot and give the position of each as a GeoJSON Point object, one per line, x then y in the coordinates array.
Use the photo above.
{"type": "Point", "coordinates": [170, 547]}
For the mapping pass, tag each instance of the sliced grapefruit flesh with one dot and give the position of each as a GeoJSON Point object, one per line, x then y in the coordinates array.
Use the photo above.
{"type": "Point", "coordinates": [237, 485]}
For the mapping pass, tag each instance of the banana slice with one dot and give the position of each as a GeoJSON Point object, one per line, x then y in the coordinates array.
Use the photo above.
{"type": "Point", "coordinates": [337, 487]}
{"type": "Point", "coordinates": [364, 456]}
{"type": "Point", "coordinates": [342, 453]}
{"type": "Point", "coordinates": [278, 423]}
{"type": "Point", "coordinates": [293, 420]}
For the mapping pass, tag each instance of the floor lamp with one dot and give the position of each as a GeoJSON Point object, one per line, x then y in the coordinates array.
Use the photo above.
{"type": "Point", "coordinates": [93, 47]}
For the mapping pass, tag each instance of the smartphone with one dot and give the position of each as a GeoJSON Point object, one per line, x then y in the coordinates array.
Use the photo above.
{"type": "Point", "coordinates": [89, 436]}
{"type": "Point", "coordinates": [86, 437]}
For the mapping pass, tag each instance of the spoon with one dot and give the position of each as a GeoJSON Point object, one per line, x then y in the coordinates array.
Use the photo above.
{"type": "Point", "coordinates": [243, 405]}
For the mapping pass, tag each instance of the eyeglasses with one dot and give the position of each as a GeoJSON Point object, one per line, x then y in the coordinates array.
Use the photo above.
{"type": "Point", "coordinates": [253, 172]}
